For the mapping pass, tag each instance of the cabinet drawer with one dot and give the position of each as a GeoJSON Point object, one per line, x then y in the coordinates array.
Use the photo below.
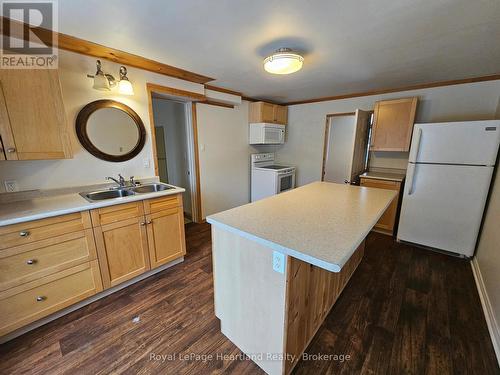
{"type": "Point", "coordinates": [381, 184]}
{"type": "Point", "coordinates": [113, 214]}
{"type": "Point", "coordinates": [37, 299]}
{"type": "Point", "coordinates": [36, 230]}
{"type": "Point", "coordinates": [162, 203]}
{"type": "Point", "coordinates": [25, 263]}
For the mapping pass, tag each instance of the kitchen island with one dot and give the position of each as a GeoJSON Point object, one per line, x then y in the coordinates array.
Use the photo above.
{"type": "Point", "coordinates": [281, 263]}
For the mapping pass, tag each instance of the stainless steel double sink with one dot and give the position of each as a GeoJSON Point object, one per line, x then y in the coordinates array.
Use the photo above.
{"type": "Point", "coordinates": [114, 193]}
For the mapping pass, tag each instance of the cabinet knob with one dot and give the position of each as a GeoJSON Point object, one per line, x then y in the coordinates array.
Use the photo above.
{"type": "Point", "coordinates": [149, 222]}
{"type": "Point", "coordinates": [31, 261]}
{"type": "Point", "coordinates": [11, 150]}
{"type": "Point", "coordinates": [24, 233]}
{"type": "Point", "coordinates": [41, 298]}
{"type": "Point", "coordinates": [143, 223]}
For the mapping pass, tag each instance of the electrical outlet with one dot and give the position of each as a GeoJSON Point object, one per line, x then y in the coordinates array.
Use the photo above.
{"type": "Point", "coordinates": [278, 262]}
{"type": "Point", "coordinates": [11, 186]}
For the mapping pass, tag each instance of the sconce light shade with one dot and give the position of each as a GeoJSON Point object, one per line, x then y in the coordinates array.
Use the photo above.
{"type": "Point", "coordinates": [125, 87]}
{"type": "Point", "coordinates": [101, 82]}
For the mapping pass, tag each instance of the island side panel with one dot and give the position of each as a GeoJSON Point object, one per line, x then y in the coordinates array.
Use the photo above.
{"type": "Point", "coordinates": [249, 297]}
{"type": "Point", "coordinates": [311, 293]}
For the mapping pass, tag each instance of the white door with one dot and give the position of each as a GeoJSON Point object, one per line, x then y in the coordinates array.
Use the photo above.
{"type": "Point", "coordinates": [443, 206]}
{"type": "Point", "coordinates": [472, 143]}
{"type": "Point", "coordinates": [360, 144]}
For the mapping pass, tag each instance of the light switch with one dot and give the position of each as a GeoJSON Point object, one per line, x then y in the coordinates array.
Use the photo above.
{"type": "Point", "coordinates": [278, 262]}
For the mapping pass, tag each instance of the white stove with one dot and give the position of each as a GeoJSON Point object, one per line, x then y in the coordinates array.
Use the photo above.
{"type": "Point", "coordinates": [269, 178]}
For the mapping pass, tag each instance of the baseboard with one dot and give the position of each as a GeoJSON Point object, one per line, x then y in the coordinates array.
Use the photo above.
{"type": "Point", "coordinates": [85, 302]}
{"type": "Point", "coordinates": [487, 309]}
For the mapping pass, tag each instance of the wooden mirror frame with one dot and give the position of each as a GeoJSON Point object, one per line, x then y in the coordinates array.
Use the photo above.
{"type": "Point", "coordinates": [81, 129]}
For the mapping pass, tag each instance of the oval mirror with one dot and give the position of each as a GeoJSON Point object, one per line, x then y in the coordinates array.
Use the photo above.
{"type": "Point", "coordinates": [110, 130]}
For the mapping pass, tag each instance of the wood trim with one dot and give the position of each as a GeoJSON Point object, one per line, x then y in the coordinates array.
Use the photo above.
{"type": "Point", "coordinates": [421, 86]}
{"type": "Point", "coordinates": [222, 89]}
{"type": "Point", "coordinates": [159, 89]}
{"type": "Point", "coordinates": [327, 135]}
{"type": "Point", "coordinates": [218, 104]}
{"type": "Point", "coordinates": [85, 47]}
{"type": "Point", "coordinates": [196, 162]}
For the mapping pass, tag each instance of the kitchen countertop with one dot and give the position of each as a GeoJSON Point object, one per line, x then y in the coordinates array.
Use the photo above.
{"type": "Point", "coordinates": [384, 176]}
{"type": "Point", "coordinates": [40, 208]}
{"type": "Point", "coordinates": [321, 223]}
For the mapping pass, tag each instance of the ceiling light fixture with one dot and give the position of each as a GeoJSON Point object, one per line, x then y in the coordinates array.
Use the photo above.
{"type": "Point", "coordinates": [283, 61]}
{"type": "Point", "coordinates": [104, 81]}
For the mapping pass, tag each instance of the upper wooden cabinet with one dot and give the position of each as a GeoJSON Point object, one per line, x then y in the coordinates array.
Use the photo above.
{"type": "Point", "coordinates": [393, 124]}
{"type": "Point", "coordinates": [267, 112]}
{"type": "Point", "coordinates": [33, 123]}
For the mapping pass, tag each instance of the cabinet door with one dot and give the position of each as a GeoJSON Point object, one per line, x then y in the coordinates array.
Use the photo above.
{"type": "Point", "coordinates": [388, 219]}
{"type": "Point", "coordinates": [166, 238]}
{"type": "Point", "coordinates": [393, 124]}
{"type": "Point", "coordinates": [122, 250]}
{"type": "Point", "coordinates": [281, 114]}
{"type": "Point", "coordinates": [33, 122]}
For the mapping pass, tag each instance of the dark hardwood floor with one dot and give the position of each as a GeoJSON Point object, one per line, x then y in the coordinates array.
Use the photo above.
{"type": "Point", "coordinates": [405, 311]}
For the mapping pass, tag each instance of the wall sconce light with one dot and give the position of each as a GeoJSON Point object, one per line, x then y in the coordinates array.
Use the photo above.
{"type": "Point", "coordinates": [104, 81]}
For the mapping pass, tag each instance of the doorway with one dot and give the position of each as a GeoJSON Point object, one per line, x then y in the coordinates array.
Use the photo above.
{"type": "Point", "coordinates": [174, 136]}
{"type": "Point", "coordinates": [346, 146]}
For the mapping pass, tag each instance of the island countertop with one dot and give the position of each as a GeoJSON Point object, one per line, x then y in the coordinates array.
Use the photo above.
{"type": "Point", "coordinates": [320, 223]}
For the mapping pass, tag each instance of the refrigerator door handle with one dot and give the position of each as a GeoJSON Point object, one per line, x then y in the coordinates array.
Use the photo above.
{"type": "Point", "coordinates": [411, 177]}
{"type": "Point", "coordinates": [418, 137]}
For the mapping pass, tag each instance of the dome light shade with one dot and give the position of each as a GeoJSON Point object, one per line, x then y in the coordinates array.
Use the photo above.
{"type": "Point", "coordinates": [283, 61]}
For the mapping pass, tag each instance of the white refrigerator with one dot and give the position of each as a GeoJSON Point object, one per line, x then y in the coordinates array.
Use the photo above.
{"type": "Point", "coordinates": [447, 181]}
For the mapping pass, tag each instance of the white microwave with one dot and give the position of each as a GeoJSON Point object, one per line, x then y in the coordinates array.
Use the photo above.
{"type": "Point", "coordinates": [263, 133]}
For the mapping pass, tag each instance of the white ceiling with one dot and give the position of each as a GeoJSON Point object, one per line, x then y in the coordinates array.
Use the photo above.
{"type": "Point", "coordinates": [349, 45]}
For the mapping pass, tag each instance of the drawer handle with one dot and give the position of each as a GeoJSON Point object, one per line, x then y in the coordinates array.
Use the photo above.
{"type": "Point", "coordinates": [11, 150]}
{"type": "Point", "coordinates": [41, 298]}
{"type": "Point", "coordinates": [31, 261]}
{"type": "Point", "coordinates": [24, 233]}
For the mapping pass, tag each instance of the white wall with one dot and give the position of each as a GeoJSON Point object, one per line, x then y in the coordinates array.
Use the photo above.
{"type": "Point", "coordinates": [306, 122]}
{"type": "Point", "coordinates": [339, 153]}
{"type": "Point", "coordinates": [488, 259]}
{"type": "Point", "coordinates": [171, 116]}
{"type": "Point", "coordinates": [77, 92]}
{"type": "Point", "coordinates": [224, 157]}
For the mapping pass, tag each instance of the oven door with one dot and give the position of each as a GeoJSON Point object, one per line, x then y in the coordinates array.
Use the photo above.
{"type": "Point", "coordinates": [285, 181]}
{"type": "Point", "coordinates": [273, 135]}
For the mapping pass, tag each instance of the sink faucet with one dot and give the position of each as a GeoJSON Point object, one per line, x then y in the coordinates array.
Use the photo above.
{"type": "Point", "coordinates": [120, 182]}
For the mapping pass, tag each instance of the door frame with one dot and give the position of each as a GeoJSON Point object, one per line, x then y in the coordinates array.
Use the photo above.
{"type": "Point", "coordinates": [327, 136]}
{"type": "Point", "coordinates": [190, 99]}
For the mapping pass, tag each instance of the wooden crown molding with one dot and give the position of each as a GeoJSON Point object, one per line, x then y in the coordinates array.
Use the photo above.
{"type": "Point", "coordinates": [218, 104]}
{"type": "Point", "coordinates": [84, 47]}
{"type": "Point", "coordinates": [492, 77]}
{"type": "Point", "coordinates": [171, 91]}
{"type": "Point", "coordinates": [222, 89]}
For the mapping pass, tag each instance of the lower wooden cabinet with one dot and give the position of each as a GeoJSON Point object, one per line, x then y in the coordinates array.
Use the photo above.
{"type": "Point", "coordinates": [49, 264]}
{"type": "Point", "coordinates": [387, 221]}
{"type": "Point", "coordinates": [34, 300]}
{"type": "Point", "coordinates": [123, 250]}
{"type": "Point", "coordinates": [165, 236]}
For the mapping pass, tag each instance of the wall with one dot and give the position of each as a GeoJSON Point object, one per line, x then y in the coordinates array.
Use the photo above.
{"type": "Point", "coordinates": [224, 157]}
{"type": "Point", "coordinates": [339, 155]}
{"type": "Point", "coordinates": [171, 116]}
{"type": "Point", "coordinates": [306, 122]}
{"type": "Point", "coordinates": [77, 91]}
{"type": "Point", "coordinates": [487, 260]}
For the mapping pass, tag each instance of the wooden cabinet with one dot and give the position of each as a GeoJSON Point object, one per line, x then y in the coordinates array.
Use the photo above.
{"type": "Point", "coordinates": [135, 237]}
{"type": "Point", "coordinates": [393, 124]}
{"type": "Point", "coordinates": [33, 123]}
{"type": "Point", "coordinates": [267, 112]}
{"type": "Point", "coordinates": [123, 250]}
{"type": "Point", "coordinates": [387, 221]}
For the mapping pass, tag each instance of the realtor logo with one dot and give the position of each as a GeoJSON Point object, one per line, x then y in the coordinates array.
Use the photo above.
{"type": "Point", "coordinates": [27, 42]}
